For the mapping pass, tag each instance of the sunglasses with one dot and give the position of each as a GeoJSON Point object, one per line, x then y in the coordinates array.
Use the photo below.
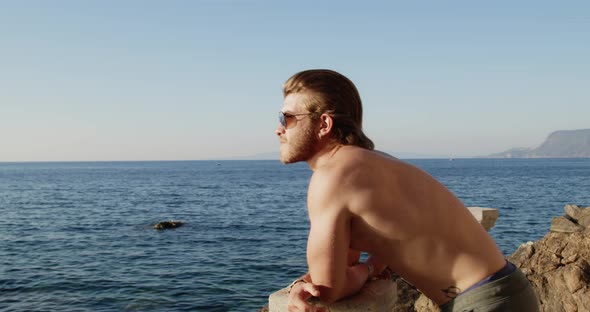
{"type": "Point", "coordinates": [285, 117]}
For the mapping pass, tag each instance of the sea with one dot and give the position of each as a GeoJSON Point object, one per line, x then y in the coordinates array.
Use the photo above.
{"type": "Point", "coordinates": [78, 236]}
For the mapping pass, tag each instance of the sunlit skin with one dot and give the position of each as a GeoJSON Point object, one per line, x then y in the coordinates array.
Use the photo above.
{"type": "Point", "coordinates": [297, 142]}
{"type": "Point", "coordinates": [361, 200]}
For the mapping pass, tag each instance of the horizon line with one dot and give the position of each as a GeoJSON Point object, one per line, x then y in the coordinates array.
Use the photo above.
{"type": "Point", "coordinates": [262, 159]}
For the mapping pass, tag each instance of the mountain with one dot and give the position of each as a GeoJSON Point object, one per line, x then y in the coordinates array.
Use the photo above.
{"type": "Point", "coordinates": [562, 143]}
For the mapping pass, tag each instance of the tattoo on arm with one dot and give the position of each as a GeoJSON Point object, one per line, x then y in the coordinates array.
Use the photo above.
{"type": "Point", "coordinates": [451, 292]}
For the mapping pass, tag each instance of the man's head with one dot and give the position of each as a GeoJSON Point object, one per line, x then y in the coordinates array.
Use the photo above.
{"type": "Point", "coordinates": [297, 131]}
{"type": "Point", "coordinates": [328, 92]}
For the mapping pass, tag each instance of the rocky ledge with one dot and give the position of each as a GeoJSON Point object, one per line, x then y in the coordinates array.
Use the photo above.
{"type": "Point", "coordinates": [558, 265]}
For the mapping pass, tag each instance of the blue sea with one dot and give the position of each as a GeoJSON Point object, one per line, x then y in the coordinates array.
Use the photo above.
{"type": "Point", "coordinates": [78, 236]}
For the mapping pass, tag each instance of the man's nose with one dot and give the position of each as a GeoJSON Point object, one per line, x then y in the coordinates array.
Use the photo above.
{"type": "Point", "coordinates": [279, 130]}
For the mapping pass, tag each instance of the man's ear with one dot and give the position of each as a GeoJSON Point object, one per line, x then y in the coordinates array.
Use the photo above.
{"type": "Point", "coordinates": [326, 124]}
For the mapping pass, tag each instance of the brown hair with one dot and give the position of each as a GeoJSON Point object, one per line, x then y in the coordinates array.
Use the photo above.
{"type": "Point", "coordinates": [332, 93]}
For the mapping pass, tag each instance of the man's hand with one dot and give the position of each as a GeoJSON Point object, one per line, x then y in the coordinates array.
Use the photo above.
{"type": "Point", "coordinates": [299, 295]}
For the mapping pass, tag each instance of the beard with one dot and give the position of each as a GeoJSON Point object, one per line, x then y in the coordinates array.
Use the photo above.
{"type": "Point", "coordinates": [300, 147]}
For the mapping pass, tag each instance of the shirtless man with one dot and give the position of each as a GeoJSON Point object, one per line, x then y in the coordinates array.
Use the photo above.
{"type": "Point", "coordinates": [363, 200]}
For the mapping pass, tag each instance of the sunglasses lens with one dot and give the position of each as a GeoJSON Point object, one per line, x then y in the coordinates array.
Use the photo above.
{"type": "Point", "coordinates": [282, 119]}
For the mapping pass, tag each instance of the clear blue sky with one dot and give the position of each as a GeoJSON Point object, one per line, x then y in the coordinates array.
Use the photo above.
{"type": "Point", "coordinates": [166, 80]}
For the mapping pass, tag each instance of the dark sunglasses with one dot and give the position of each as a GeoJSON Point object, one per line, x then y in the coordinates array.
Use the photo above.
{"type": "Point", "coordinates": [283, 117]}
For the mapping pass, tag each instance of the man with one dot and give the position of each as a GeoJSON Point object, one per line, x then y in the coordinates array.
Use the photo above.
{"type": "Point", "coordinates": [363, 200]}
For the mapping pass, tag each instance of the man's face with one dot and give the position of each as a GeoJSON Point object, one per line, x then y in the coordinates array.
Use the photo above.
{"type": "Point", "coordinates": [298, 140]}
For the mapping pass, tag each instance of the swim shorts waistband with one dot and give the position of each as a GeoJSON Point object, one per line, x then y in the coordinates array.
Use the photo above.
{"type": "Point", "coordinates": [508, 269]}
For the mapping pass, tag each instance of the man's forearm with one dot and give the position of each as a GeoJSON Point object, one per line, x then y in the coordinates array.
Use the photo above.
{"type": "Point", "coordinates": [355, 278]}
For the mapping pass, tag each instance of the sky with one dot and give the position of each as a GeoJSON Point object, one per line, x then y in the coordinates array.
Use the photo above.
{"type": "Point", "coordinates": [191, 80]}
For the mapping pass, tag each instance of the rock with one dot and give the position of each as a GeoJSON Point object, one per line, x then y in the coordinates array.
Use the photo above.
{"type": "Point", "coordinates": [524, 252]}
{"type": "Point", "coordinates": [558, 266]}
{"type": "Point", "coordinates": [573, 277]}
{"type": "Point", "coordinates": [407, 295]}
{"type": "Point", "coordinates": [573, 211]}
{"type": "Point", "coordinates": [564, 225]}
{"type": "Point", "coordinates": [485, 216]}
{"type": "Point", "coordinates": [164, 225]}
{"type": "Point", "coordinates": [423, 304]}
{"type": "Point", "coordinates": [585, 219]}
{"type": "Point", "coordinates": [376, 295]}
{"type": "Point", "coordinates": [577, 214]}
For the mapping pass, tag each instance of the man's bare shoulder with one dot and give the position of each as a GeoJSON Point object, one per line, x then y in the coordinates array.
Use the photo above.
{"type": "Point", "coordinates": [351, 162]}
{"type": "Point", "coordinates": [350, 169]}
{"type": "Point", "coordinates": [384, 154]}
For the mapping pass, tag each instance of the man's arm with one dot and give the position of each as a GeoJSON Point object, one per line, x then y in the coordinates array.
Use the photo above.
{"type": "Point", "coordinates": [302, 289]}
{"type": "Point", "coordinates": [327, 260]}
{"type": "Point", "coordinates": [328, 250]}
{"type": "Point", "coordinates": [352, 259]}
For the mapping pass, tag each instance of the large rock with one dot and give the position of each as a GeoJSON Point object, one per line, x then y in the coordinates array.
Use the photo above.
{"type": "Point", "coordinates": [558, 266]}
{"type": "Point", "coordinates": [575, 219]}
{"type": "Point", "coordinates": [565, 225]}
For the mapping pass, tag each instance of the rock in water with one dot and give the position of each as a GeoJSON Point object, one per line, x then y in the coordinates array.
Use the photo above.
{"type": "Point", "coordinates": [164, 225]}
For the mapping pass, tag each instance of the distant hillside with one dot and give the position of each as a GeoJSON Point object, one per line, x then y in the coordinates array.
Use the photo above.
{"type": "Point", "coordinates": [562, 143]}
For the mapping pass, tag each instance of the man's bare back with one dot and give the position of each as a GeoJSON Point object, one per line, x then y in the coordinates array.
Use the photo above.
{"type": "Point", "coordinates": [408, 220]}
